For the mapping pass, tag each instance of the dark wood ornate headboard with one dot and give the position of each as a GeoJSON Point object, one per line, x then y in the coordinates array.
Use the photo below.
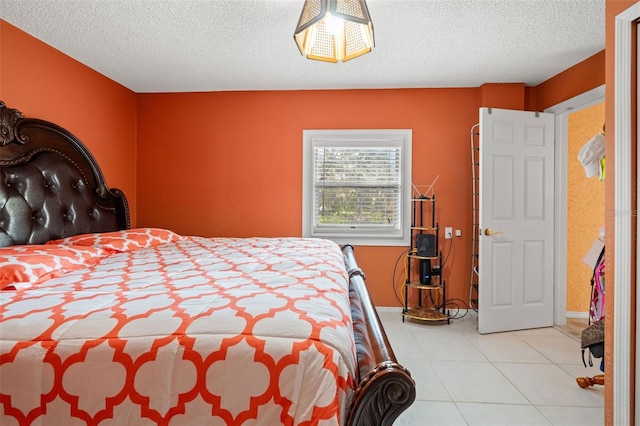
{"type": "Point", "coordinates": [50, 184]}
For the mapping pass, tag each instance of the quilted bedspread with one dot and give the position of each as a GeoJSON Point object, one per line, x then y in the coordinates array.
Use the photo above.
{"type": "Point", "coordinates": [198, 331]}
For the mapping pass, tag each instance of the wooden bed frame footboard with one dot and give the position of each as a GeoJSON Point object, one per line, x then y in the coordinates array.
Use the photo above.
{"type": "Point", "coordinates": [384, 388]}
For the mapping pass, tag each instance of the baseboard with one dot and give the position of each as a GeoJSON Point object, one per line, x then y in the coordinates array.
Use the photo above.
{"type": "Point", "coordinates": [573, 314]}
{"type": "Point", "coordinates": [396, 309]}
{"type": "Point", "coordinates": [457, 313]}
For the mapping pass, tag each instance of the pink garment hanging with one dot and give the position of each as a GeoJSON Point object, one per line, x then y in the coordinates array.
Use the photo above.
{"type": "Point", "coordinates": [596, 310]}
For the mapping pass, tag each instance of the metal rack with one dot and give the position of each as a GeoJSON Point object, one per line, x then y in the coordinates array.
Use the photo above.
{"type": "Point", "coordinates": [424, 224]}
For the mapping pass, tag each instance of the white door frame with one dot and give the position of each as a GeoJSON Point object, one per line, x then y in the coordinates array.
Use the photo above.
{"type": "Point", "coordinates": [562, 111]}
{"type": "Point", "coordinates": [623, 218]}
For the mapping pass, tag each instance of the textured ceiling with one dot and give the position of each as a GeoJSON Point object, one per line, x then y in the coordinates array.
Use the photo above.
{"type": "Point", "coordinates": [219, 45]}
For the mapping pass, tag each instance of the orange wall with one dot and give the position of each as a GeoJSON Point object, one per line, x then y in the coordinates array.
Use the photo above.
{"type": "Point", "coordinates": [242, 162]}
{"type": "Point", "coordinates": [503, 95]}
{"type": "Point", "coordinates": [246, 177]}
{"type": "Point", "coordinates": [572, 82]}
{"type": "Point", "coordinates": [585, 207]}
{"type": "Point", "coordinates": [44, 83]}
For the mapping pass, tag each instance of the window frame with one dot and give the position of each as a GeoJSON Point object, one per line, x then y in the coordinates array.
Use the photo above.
{"type": "Point", "coordinates": [363, 235]}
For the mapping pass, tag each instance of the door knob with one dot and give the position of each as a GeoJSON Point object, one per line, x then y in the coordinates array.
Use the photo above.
{"type": "Point", "coordinates": [489, 233]}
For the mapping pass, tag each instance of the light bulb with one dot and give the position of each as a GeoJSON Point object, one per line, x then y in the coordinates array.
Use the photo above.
{"type": "Point", "coordinates": [333, 24]}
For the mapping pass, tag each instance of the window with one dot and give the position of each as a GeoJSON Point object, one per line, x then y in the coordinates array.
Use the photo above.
{"type": "Point", "coordinates": [357, 186]}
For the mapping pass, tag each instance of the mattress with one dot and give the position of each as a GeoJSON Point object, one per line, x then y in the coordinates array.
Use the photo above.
{"type": "Point", "coordinates": [153, 328]}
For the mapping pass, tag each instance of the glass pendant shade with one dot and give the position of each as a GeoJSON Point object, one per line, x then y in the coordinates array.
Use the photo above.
{"type": "Point", "coordinates": [334, 30]}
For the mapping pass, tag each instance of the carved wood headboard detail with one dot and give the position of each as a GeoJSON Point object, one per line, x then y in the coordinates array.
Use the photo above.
{"type": "Point", "coordinates": [50, 184]}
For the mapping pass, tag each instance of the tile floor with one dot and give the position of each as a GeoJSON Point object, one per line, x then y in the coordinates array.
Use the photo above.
{"type": "Point", "coordinates": [515, 378]}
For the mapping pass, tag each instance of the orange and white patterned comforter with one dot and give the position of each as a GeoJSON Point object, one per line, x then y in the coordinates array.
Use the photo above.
{"type": "Point", "coordinates": [196, 331]}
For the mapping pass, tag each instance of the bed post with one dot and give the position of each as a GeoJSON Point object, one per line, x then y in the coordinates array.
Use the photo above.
{"type": "Point", "coordinates": [384, 388]}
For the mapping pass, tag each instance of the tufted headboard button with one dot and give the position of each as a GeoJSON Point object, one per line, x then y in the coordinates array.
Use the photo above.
{"type": "Point", "coordinates": [37, 217]}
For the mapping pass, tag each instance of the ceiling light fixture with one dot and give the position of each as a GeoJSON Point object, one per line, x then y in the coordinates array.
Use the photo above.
{"type": "Point", "coordinates": [334, 30]}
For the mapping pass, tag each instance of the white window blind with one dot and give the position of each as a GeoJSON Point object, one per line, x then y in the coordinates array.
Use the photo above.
{"type": "Point", "coordinates": [356, 187]}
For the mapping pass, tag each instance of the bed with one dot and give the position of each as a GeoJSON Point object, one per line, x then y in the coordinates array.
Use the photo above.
{"type": "Point", "coordinates": [104, 324]}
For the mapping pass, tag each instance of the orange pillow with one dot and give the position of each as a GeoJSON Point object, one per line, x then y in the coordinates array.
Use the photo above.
{"type": "Point", "coordinates": [125, 240]}
{"type": "Point", "coordinates": [33, 263]}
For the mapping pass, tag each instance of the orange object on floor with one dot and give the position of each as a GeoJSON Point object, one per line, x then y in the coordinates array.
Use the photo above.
{"type": "Point", "coordinates": [585, 382]}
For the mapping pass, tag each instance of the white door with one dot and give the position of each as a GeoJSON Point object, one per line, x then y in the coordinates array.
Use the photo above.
{"type": "Point", "coordinates": [515, 283]}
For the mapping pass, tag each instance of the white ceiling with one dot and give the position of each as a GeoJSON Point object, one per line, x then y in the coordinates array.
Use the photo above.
{"type": "Point", "coordinates": [221, 45]}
